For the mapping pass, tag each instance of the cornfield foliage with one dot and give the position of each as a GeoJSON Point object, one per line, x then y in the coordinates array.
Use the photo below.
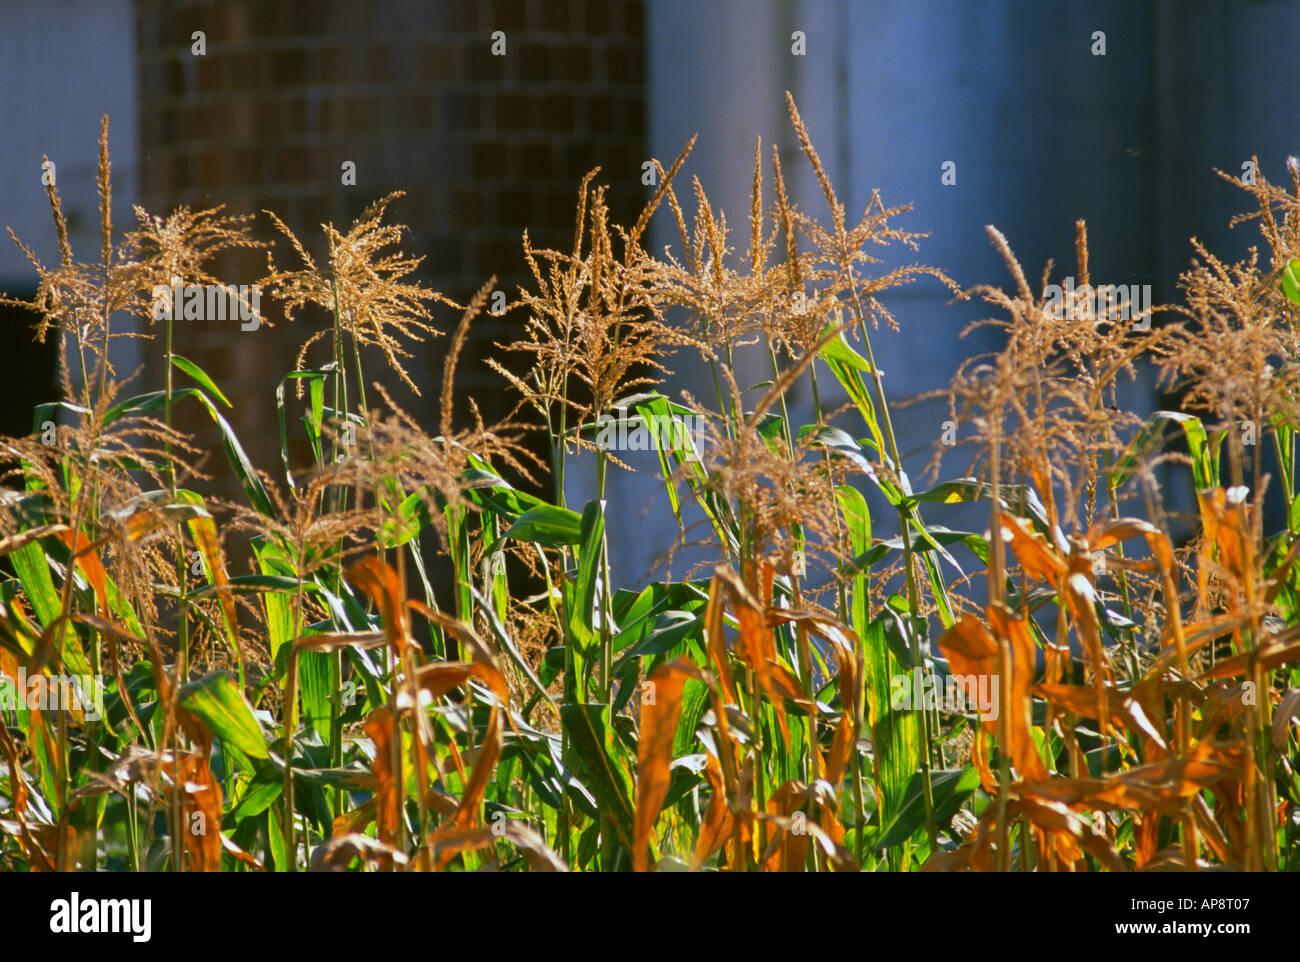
{"type": "Point", "coordinates": [323, 711]}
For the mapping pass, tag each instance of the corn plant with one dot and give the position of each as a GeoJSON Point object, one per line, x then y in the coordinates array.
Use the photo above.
{"type": "Point", "coordinates": [1116, 686]}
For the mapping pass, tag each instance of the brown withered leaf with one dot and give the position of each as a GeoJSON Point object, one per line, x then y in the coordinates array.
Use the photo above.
{"type": "Point", "coordinates": [1173, 859]}
{"type": "Point", "coordinates": [849, 669]}
{"type": "Point", "coordinates": [1156, 787]}
{"type": "Point", "coordinates": [134, 766]}
{"type": "Point", "coordinates": [466, 816]}
{"type": "Point", "coordinates": [379, 726]}
{"type": "Point", "coordinates": [537, 854]}
{"type": "Point", "coordinates": [972, 650]}
{"type": "Point", "coordinates": [979, 754]}
{"type": "Point", "coordinates": [799, 813]}
{"type": "Point", "coordinates": [718, 819]}
{"type": "Point", "coordinates": [1069, 834]}
{"type": "Point", "coordinates": [1106, 534]}
{"type": "Point", "coordinates": [200, 829]}
{"type": "Point", "coordinates": [1219, 704]}
{"type": "Point", "coordinates": [1210, 832]}
{"type": "Point", "coordinates": [1124, 712]}
{"type": "Point", "coordinates": [1288, 710]}
{"type": "Point", "coordinates": [1279, 649]}
{"type": "Point", "coordinates": [40, 842]}
{"type": "Point", "coordinates": [23, 538]}
{"type": "Point", "coordinates": [336, 854]}
{"type": "Point", "coordinates": [1018, 703]}
{"type": "Point", "coordinates": [1059, 829]}
{"type": "Point", "coordinates": [240, 854]}
{"type": "Point", "coordinates": [204, 531]}
{"type": "Point", "coordinates": [355, 820]}
{"type": "Point", "coordinates": [328, 641]}
{"type": "Point", "coordinates": [1040, 561]}
{"type": "Point", "coordinates": [655, 751]}
{"type": "Point", "coordinates": [360, 817]}
{"type": "Point", "coordinates": [1081, 599]}
{"type": "Point", "coordinates": [1223, 523]}
{"type": "Point", "coordinates": [717, 639]}
{"type": "Point", "coordinates": [788, 849]}
{"type": "Point", "coordinates": [969, 647]}
{"type": "Point", "coordinates": [1146, 836]}
{"type": "Point", "coordinates": [757, 647]}
{"type": "Point", "coordinates": [88, 561]}
{"type": "Point", "coordinates": [957, 860]}
{"type": "Point", "coordinates": [441, 677]}
{"type": "Point", "coordinates": [1195, 637]}
{"type": "Point", "coordinates": [30, 838]}
{"type": "Point", "coordinates": [456, 628]}
{"type": "Point", "coordinates": [488, 753]}
{"type": "Point", "coordinates": [380, 582]}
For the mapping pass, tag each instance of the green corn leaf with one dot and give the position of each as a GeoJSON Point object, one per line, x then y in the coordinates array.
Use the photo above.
{"type": "Point", "coordinates": [200, 375]}
{"type": "Point", "coordinates": [547, 525]}
{"type": "Point", "coordinates": [1291, 281]}
{"type": "Point", "coordinates": [950, 789]}
{"type": "Point", "coordinates": [312, 420]}
{"type": "Point", "coordinates": [1203, 450]}
{"type": "Point", "coordinates": [243, 467]}
{"type": "Point", "coordinates": [848, 367]}
{"type": "Point", "coordinates": [217, 700]}
{"type": "Point", "coordinates": [600, 762]}
{"type": "Point", "coordinates": [896, 733]}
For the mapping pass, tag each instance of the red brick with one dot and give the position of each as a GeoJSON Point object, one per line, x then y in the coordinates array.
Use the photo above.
{"type": "Point", "coordinates": [414, 111]}
{"type": "Point", "coordinates": [382, 64]}
{"type": "Point", "coordinates": [459, 111]}
{"type": "Point", "coordinates": [512, 111]}
{"type": "Point", "coordinates": [405, 94]}
{"type": "Point", "coordinates": [633, 12]}
{"type": "Point", "coordinates": [294, 164]}
{"type": "Point", "coordinates": [490, 160]}
{"type": "Point", "coordinates": [293, 115]}
{"type": "Point", "coordinates": [439, 63]}
{"type": "Point", "coordinates": [289, 68]}
{"type": "Point", "coordinates": [180, 172]}
{"type": "Point", "coordinates": [241, 71]}
{"type": "Point", "coordinates": [510, 16]}
{"type": "Point", "coordinates": [466, 205]}
{"type": "Point", "coordinates": [358, 114]}
{"type": "Point", "coordinates": [557, 111]}
{"type": "Point", "coordinates": [484, 67]}
{"type": "Point", "coordinates": [624, 64]}
{"type": "Point", "coordinates": [207, 72]}
{"type": "Point", "coordinates": [596, 16]}
{"type": "Point", "coordinates": [266, 123]}
{"type": "Point", "coordinates": [244, 165]}
{"type": "Point", "coordinates": [337, 64]}
{"type": "Point", "coordinates": [556, 16]}
{"type": "Point", "coordinates": [573, 62]}
{"type": "Point", "coordinates": [210, 167]}
{"type": "Point", "coordinates": [174, 77]}
{"type": "Point", "coordinates": [460, 17]}
{"type": "Point", "coordinates": [233, 23]}
{"type": "Point", "coordinates": [535, 62]}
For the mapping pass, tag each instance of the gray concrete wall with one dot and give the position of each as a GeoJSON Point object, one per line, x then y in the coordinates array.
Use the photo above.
{"type": "Point", "coordinates": [63, 64]}
{"type": "Point", "coordinates": [1042, 132]}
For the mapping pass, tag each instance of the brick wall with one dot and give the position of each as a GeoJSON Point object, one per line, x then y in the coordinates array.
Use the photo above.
{"type": "Point", "coordinates": [410, 92]}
